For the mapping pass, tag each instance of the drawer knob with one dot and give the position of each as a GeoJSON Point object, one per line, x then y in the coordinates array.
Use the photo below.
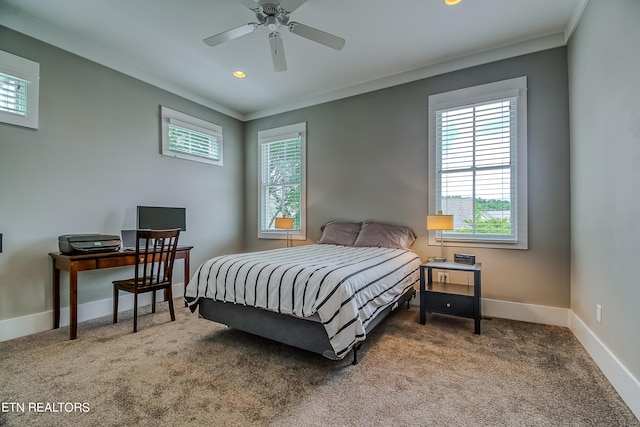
{"type": "Point", "coordinates": [448, 304]}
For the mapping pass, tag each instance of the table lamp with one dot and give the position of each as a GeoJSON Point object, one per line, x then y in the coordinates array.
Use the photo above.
{"type": "Point", "coordinates": [440, 222]}
{"type": "Point", "coordinates": [285, 223]}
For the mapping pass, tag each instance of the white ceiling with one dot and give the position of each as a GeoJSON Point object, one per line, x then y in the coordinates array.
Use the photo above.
{"type": "Point", "coordinates": [388, 42]}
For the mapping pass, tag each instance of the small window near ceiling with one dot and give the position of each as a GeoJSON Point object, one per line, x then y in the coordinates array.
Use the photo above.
{"type": "Point", "coordinates": [19, 90]}
{"type": "Point", "coordinates": [478, 163]}
{"type": "Point", "coordinates": [281, 171]}
{"type": "Point", "coordinates": [190, 138]}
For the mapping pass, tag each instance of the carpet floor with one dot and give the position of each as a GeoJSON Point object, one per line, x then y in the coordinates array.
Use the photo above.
{"type": "Point", "coordinates": [196, 372]}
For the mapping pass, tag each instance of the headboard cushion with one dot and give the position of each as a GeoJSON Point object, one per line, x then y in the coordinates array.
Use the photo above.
{"type": "Point", "coordinates": [340, 233]}
{"type": "Point", "coordinates": [379, 234]}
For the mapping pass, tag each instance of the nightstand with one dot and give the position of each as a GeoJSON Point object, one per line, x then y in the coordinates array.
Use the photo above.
{"type": "Point", "coordinates": [450, 298]}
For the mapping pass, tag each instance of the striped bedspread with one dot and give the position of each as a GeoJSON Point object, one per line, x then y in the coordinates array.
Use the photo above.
{"type": "Point", "coordinates": [346, 286]}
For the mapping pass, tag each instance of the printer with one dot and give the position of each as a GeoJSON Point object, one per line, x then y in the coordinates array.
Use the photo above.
{"type": "Point", "coordinates": [79, 243]}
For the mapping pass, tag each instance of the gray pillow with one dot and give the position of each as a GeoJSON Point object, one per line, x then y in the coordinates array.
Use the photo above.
{"type": "Point", "coordinates": [378, 234]}
{"type": "Point", "coordinates": [340, 233]}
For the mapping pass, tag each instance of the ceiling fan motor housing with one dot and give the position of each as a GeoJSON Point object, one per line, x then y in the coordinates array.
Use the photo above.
{"type": "Point", "coordinates": [272, 16]}
{"type": "Point", "coordinates": [271, 9]}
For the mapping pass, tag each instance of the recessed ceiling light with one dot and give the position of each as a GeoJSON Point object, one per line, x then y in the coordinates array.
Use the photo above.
{"type": "Point", "coordinates": [239, 74]}
{"type": "Point", "coordinates": [452, 2]}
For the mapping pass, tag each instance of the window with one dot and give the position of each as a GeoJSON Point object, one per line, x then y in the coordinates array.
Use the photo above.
{"type": "Point", "coordinates": [190, 138]}
{"type": "Point", "coordinates": [281, 172]}
{"type": "Point", "coordinates": [478, 163]}
{"type": "Point", "coordinates": [19, 90]}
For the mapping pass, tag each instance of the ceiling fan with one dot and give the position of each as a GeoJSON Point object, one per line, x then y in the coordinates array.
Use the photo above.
{"type": "Point", "coordinates": [274, 14]}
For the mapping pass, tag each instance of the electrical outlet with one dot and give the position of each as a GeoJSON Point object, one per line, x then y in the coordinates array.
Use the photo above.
{"type": "Point", "coordinates": [599, 313]}
{"type": "Point", "coordinates": [443, 277]}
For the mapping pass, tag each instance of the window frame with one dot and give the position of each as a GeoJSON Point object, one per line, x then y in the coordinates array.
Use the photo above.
{"type": "Point", "coordinates": [517, 88]}
{"type": "Point", "coordinates": [185, 121]}
{"type": "Point", "coordinates": [273, 135]}
{"type": "Point", "coordinates": [29, 71]}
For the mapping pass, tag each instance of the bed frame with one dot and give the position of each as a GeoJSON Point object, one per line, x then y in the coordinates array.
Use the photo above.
{"type": "Point", "coordinates": [305, 333]}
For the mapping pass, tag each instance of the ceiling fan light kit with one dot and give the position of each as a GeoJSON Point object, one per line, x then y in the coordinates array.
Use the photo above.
{"type": "Point", "coordinates": [275, 15]}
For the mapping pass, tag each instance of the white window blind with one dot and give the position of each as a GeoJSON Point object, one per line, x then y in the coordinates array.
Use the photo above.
{"type": "Point", "coordinates": [13, 94]}
{"type": "Point", "coordinates": [282, 180]}
{"type": "Point", "coordinates": [478, 171]}
{"type": "Point", "coordinates": [19, 90]}
{"type": "Point", "coordinates": [476, 147]}
{"type": "Point", "coordinates": [184, 138]}
{"type": "Point", "coordinates": [190, 138]}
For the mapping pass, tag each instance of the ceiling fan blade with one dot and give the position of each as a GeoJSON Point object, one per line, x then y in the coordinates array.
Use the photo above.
{"type": "Point", "coordinates": [231, 34]}
{"type": "Point", "coordinates": [316, 35]}
{"type": "Point", "coordinates": [291, 5]}
{"type": "Point", "coordinates": [250, 4]}
{"type": "Point", "coordinates": [277, 52]}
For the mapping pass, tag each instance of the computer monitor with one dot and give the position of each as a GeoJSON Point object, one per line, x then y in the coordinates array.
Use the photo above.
{"type": "Point", "coordinates": [161, 218]}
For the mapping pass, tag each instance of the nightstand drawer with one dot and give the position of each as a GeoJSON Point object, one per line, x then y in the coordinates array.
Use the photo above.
{"type": "Point", "coordinates": [456, 305]}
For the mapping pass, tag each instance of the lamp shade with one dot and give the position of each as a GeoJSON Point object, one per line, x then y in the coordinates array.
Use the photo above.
{"type": "Point", "coordinates": [284, 223]}
{"type": "Point", "coordinates": [439, 222]}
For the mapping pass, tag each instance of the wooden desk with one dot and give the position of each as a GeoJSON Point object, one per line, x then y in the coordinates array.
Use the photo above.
{"type": "Point", "coordinates": [73, 263]}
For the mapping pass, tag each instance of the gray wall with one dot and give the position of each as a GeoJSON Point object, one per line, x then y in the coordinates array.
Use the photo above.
{"type": "Point", "coordinates": [604, 60]}
{"type": "Point", "coordinates": [95, 158]}
{"type": "Point", "coordinates": [367, 159]}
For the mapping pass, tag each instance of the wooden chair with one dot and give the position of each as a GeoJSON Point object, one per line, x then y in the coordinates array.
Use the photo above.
{"type": "Point", "coordinates": [155, 253]}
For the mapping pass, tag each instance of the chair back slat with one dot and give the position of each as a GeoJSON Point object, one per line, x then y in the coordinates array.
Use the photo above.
{"type": "Point", "coordinates": [155, 254]}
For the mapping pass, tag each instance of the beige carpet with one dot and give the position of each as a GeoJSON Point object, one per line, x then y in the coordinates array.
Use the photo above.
{"type": "Point", "coordinates": [196, 372]}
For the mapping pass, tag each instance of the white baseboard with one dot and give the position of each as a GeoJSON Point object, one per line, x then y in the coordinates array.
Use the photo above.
{"type": "Point", "coordinates": [627, 386]}
{"type": "Point", "coordinates": [525, 312]}
{"type": "Point", "coordinates": [39, 322]}
{"type": "Point", "coordinates": [25, 325]}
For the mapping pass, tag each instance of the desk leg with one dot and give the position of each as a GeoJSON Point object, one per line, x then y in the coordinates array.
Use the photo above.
{"type": "Point", "coordinates": [73, 301]}
{"type": "Point", "coordinates": [56, 296]}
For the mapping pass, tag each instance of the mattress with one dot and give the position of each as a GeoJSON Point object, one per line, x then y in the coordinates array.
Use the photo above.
{"type": "Point", "coordinates": [345, 287]}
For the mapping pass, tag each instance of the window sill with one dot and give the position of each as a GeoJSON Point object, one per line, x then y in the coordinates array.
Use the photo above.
{"type": "Point", "coordinates": [492, 244]}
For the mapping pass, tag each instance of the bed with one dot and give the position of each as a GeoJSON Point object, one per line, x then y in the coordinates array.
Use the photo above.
{"type": "Point", "coordinates": [324, 297]}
